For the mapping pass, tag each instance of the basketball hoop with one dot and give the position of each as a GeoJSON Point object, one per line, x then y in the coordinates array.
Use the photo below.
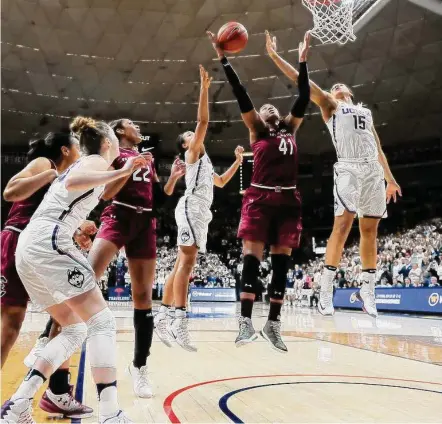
{"type": "Point", "coordinates": [332, 20]}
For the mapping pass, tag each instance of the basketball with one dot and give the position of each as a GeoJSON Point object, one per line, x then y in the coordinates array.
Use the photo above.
{"type": "Point", "coordinates": [232, 37]}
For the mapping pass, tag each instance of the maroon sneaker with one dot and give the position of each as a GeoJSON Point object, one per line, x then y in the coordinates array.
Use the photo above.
{"type": "Point", "coordinates": [64, 405]}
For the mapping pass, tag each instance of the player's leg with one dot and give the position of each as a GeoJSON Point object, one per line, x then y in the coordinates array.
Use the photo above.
{"type": "Point", "coordinates": [368, 250]}
{"type": "Point", "coordinates": [142, 274]}
{"type": "Point", "coordinates": [346, 192]}
{"type": "Point", "coordinates": [14, 297]}
{"type": "Point", "coordinates": [253, 253]}
{"type": "Point", "coordinates": [280, 257]}
{"type": "Point", "coordinates": [164, 316]}
{"type": "Point", "coordinates": [179, 326]}
{"type": "Point", "coordinates": [335, 245]}
{"type": "Point", "coordinates": [101, 254]}
{"type": "Point", "coordinates": [12, 319]}
{"type": "Point", "coordinates": [372, 208]}
{"type": "Point", "coordinates": [40, 344]}
{"type": "Point", "coordinates": [57, 351]}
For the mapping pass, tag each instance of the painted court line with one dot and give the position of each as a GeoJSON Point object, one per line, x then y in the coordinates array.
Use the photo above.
{"type": "Point", "coordinates": [234, 418]}
{"type": "Point", "coordinates": [168, 407]}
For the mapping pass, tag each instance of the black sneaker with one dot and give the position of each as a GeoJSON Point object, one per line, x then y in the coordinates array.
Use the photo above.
{"type": "Point", "coordinates": [272, 333]}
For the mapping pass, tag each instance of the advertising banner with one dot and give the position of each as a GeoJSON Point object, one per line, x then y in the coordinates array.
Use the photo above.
{"type": "Point", "coordinates": [423, 299]}
{"type": "Point", "coordinates": [212, 295]}
{"type": "Point", "coordinates": [119, 294]}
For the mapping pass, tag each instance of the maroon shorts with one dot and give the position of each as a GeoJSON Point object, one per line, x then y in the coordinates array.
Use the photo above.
{"type": "Point", "coordinates": [135, 231]}
{"type": "Point", "coordinates": [271, 217]}
{"type": "Point", "coordinates": [13, 292]}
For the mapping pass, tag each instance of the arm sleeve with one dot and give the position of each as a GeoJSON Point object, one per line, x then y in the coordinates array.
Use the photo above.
{"type": "Point", "coordinates": [240, 92]}
{"type": "Point", "coordinates": [300, 105]}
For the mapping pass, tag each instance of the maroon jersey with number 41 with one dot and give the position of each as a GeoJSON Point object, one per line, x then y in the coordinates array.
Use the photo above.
{"type": "Point", "coordinates": [275, 158]}
{"type": "Point", "coordinates": [138, 190]}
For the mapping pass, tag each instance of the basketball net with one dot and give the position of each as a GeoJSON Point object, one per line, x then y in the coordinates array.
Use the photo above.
{"type": "Point", "coordinates": [332, 20]}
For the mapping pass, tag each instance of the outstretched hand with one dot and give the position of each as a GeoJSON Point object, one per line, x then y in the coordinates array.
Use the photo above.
{"type": "Point", "coordinates": [215, 44]}
{"type": "Point", "coordinates": [134, 163]}
{"type": "Point", "coordinates": [238, 153]}
{"type": "Point", "coordinates": [204, 77]}
{"type": "Point", "coordinates": [270, 44]}
{"type": "Point", "coordinates": [304, 47]}
{"type": "Point", "coordinates": [178, 169]}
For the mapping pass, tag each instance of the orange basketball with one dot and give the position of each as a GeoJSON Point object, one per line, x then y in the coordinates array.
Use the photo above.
{"type": "Point", "coordinates": [232, 37]}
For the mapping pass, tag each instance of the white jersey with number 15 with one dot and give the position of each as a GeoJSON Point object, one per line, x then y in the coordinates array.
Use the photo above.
{"type": "Point", "coordinates": [351, 130]}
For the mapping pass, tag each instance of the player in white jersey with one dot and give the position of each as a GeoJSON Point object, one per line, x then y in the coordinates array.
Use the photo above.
{"type": "Point", "coordinates": [61, 281]}
{"type": "Point", "coordinates": [359, 186]}
{"type": "Point", "coordinates": [192, 216]}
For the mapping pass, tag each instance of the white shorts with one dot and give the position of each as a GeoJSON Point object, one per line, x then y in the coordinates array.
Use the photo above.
{"type": "Point", "coordinates": [192, 219]}
{"type": "Point", "coordinates": [360, 188]}
{"type": "Point", "coordinates": [290, 291]}
{"type": "Point", "coordinates": [51, 268]}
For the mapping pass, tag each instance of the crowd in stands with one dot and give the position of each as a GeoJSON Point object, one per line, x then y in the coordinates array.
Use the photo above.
{"type": "Point", "coordinates": [411, 258]}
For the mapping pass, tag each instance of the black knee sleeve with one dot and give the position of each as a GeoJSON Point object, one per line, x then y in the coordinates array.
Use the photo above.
{"type": "Point", "coordinates": [280, 267]}
{"type": "Point", "coordinates": [250, 271]}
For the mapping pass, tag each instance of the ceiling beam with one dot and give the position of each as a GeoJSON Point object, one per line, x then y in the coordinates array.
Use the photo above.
{"type": "Point", "coordinates": [434, 6]}
{"type": "Point", "coordinates": [369, 15]}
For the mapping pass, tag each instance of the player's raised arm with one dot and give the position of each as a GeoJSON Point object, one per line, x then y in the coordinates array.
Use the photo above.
{"type": "Point", "coordinates": [296, 116]}
{"type": "Point", "coordinates": [248, 112]}
{"type": "Point", "coordinates": [93, 172]}
{"type": "Point", "coordinates": [203, 115]}
{"type": "Point", "coordinates": [393, 188]}
{"type": "Point", "coordinates": [222, 180]}
{"type": "Point", "coordinates": [320, 97]}
{"type": "Point", "coordinates": [36, 175]}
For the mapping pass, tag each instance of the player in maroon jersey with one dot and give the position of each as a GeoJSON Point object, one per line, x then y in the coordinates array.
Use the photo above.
{"type": "Point", "coordinates": [129, 222]}
{"type": "Point", "coordinates": [271, 210]}
{"type": "Point", "coordinates": [49, 157]}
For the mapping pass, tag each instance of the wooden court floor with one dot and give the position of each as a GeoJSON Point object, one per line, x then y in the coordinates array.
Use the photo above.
{"type": "Point", "coordinates": [347, 368]}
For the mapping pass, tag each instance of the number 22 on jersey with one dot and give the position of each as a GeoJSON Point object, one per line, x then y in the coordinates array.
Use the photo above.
{"type": "Point", "coordinates": [143, 177]}
{"type": "Point", "coordinates": [283, 146]}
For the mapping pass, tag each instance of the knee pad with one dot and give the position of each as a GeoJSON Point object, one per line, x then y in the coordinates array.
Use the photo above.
{"type": "Point", "coordinates": [280, 266]}
{"type": "Point", "coordinates": [249, 276]}
{"type": "Point", "coordinates": [65, 344]}
{"type": "Point", "coordinates": [102, 339]}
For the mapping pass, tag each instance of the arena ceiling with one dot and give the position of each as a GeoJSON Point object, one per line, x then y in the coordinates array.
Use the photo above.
{"type": "Point", "coordinates": [139, 59]}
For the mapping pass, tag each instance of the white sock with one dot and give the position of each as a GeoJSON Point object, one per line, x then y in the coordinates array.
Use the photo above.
{"type": "Point", "coordinates": [179, 313]}
{"type": "Point", "coordinates": [327, 278]}
{"type": "Point", "coordinates": [109, 401]}
{"type": "Point", "coordinates": [163, 309]}
{"type": "Point", "coordinates": [369, 278]}
{"type": "Point", "coordinates": [28, 388]}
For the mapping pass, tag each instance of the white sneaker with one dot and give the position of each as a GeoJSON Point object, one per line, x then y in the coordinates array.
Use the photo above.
{"type": "Point", "coordinates": [118, 417]}
{"type": "Point", "coordinates": [180, 332]}
{"type": "Point", "coordinates": [140, 382]}
{"type": "Point", "coordinates": [325, 304]}
{"type": "Point", "coordinates": [35, 352]}
{"type": "Point", "coordinates": [161, 322]}
{"type": "Point", "coordinates": [367, 297]}
{"type": "Point", "coordinates": [18, 411]}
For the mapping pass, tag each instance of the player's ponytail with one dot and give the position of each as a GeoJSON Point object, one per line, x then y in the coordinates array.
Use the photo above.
{"type": "Point", "coordinates": [179, 144]}
{"type": "Point", "coordinates": [91, 133]}
{"type": "Point", "coordinates": [50, 146]}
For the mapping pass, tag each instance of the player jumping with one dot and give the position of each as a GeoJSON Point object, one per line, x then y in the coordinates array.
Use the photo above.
{"type": "Point", "coordinates": [271, 209]}
{"type": "Point", "coordinates": [359, 187]}
{"type": "Point", "coordinates": [193, 216]}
